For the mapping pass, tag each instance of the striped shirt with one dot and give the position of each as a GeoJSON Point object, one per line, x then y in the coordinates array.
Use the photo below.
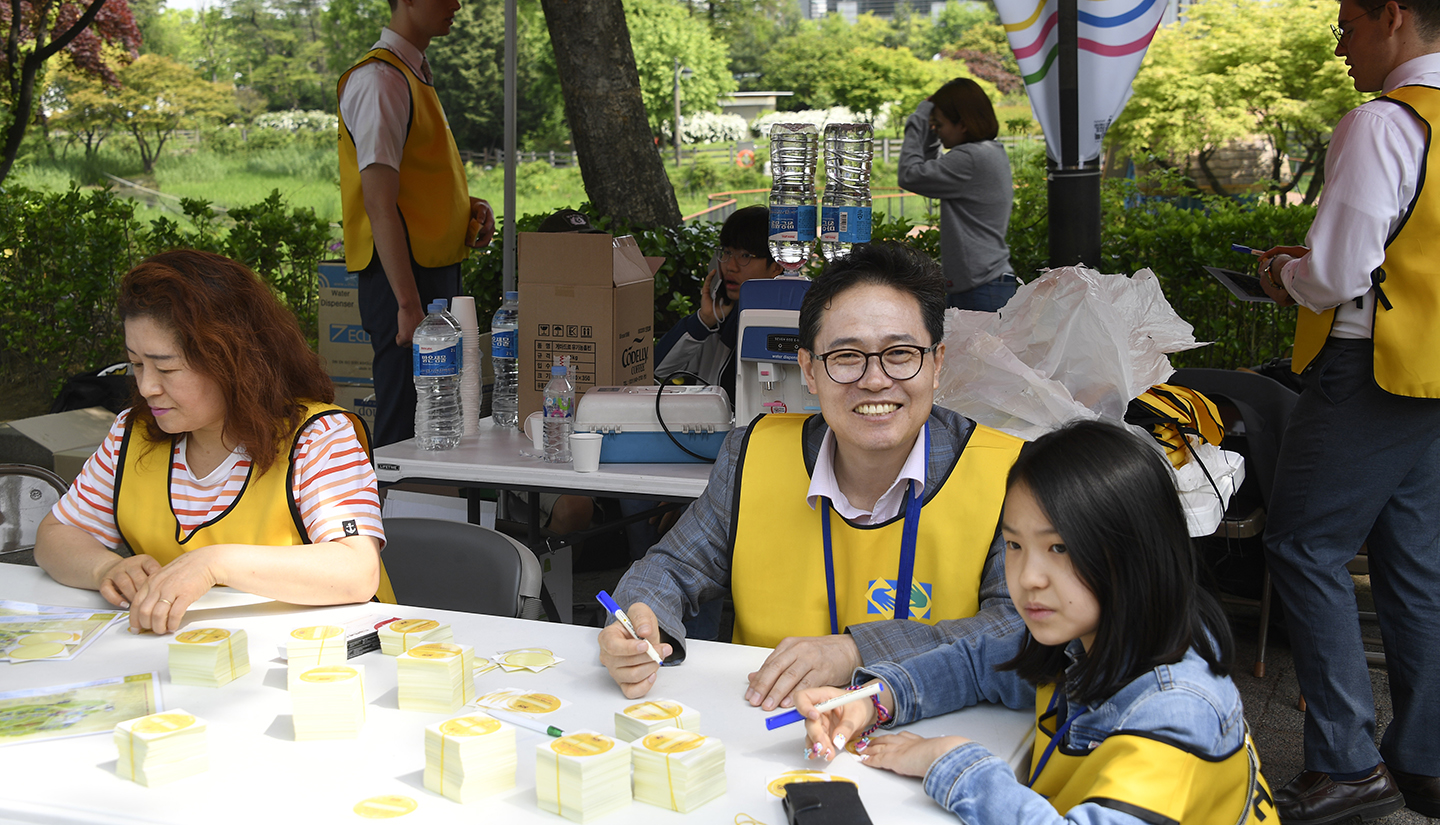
{"type": "Point", "coordinates": [333, 482]}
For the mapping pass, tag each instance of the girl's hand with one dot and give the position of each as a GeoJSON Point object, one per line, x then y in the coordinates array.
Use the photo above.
{"type": "Point", "coordinates": [908, 754]}
{"type": "Point", "coordinates": [827, 733]}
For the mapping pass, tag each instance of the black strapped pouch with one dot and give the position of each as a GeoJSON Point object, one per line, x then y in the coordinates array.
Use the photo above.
{"type": "Point", "coordinates": [824, 803]}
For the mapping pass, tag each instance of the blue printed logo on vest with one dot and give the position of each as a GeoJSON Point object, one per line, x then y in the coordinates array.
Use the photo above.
{"type": "Point", "coordinates": [880, 599]}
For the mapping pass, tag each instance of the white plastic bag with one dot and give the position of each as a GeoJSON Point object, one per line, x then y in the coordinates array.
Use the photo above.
{"type": "Point", "coordinates": [1073, 343]}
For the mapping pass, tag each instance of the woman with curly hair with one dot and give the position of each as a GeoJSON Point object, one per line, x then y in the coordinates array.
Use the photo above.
{"type": "Point", "coordinates": [231, 459]}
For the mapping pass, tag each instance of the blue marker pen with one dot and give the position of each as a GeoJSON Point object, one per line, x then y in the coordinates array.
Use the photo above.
{"type": "Point", "coordinates": [624, 620]}
{"type": "Point", "coordinates": [1235, 247]}
{"type": "Point", "coordinates": [790, 717]}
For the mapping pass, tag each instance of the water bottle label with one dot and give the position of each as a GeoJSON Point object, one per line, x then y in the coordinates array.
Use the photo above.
{"type": "Point", "coordinates": [558, 407]}
{"type": "Point", "coordinates": [854, 224]}
{"type": "Point", "coordinates": [792, 223]}
{"type": "Point", "coordinates": [502, 344]}
{"type": "Point", "coordinates": [436, 361]}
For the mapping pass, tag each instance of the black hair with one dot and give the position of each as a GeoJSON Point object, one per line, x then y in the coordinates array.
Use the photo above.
{"type": "Point", "coordinates": [1427, 15]}
{"type": "Point", "coordinates": [963, 101]}
{"type": "Point", "coordinates": [892, 264]}
{"type": "Point", "coordinates": [748, 229]}
{"type": "Point", "coordinates": [1111, 497]}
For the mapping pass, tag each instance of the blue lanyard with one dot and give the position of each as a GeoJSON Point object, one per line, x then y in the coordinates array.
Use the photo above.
{"type": "Point", "coordinates": [1055, 740]}
{"type": "Point", "coordinates": [908, 537]}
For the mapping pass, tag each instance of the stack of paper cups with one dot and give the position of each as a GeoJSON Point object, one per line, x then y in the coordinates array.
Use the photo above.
{"type": "Point", "coordinates": [463, 308]}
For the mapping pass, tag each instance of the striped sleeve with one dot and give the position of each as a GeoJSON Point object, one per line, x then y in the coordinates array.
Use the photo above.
{"type": "Point", "coordinates": [335, 484]}
{"type": "Point", "coordinates": [89, 504]}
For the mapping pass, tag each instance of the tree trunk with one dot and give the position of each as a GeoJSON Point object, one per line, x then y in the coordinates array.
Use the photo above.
{"type": "Point", "coordinates": [623, 172]}
{"type": "Point", "coordinates": [22, 86]}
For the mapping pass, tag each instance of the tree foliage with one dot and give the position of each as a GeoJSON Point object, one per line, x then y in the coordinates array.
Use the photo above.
{"type": "Point", "coordinates": [661, 32]}
{"type": "Point", "coordinates": [469, 66]}
{"type": "Point", "coordinates": [1209, 79]}
{"type": "Point", "coordinates": [830, 62]}
{"type": "Point", "coordinates": [37, 30]}
{"type": "Point", "coordinates": [158, 96]}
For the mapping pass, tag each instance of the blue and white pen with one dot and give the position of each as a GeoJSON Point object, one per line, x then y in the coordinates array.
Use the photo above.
{"type": "Point", "coordinates": [792, 716]}
{"type": "Point", "coordinates": [1235, 247]}
{"type": "Point", "coordinates": [624, 620]}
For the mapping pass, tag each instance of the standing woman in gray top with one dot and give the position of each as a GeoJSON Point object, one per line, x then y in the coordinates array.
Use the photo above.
{"type": "Point", "coordinates": [972, 181]}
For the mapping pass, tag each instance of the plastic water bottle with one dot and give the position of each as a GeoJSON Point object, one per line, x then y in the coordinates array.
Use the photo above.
{"type": "Point", "coordinates": [503, 334]}
{"type": "Point", "coordinates": [845, 207]}
{"type": "Point", "coordinates": [559, 415]}
{"type": "Point", "coordinates": [794, 149]}
{"type": "Point", "coordinates": [437, 355]}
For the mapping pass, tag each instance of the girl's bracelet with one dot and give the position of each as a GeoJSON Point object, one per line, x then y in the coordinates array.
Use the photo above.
{"type": "Point", "coordinates": [882, 716]}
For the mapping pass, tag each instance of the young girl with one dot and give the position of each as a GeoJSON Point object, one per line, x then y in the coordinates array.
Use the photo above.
{"type": "Point", "coordinates": [1124, 658]}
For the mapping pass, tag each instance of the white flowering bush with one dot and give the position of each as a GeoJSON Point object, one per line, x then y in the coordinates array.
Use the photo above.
{"type": "Point", "coordinates": [707, 127]}
{"type": "Point", "coordinates": [299, 120]}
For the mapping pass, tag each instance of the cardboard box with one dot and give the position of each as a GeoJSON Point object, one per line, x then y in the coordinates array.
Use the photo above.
{"type": "Point", "coordinates": [344, 345]}
{"type": "Point", "coordinates": [588, 297]}
{"type": "Point", "coordinates": [37, 440]}
{"type": "Point", "coordinates": [359, 399]}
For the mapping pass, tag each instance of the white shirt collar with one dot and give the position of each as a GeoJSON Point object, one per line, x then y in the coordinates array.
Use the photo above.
{"type": "Point", "coordinates": [1411, 71]}
{"type": "Point", "coordinates": [889, 505]}
{"type": "Point", "coordinates": [408, 52]}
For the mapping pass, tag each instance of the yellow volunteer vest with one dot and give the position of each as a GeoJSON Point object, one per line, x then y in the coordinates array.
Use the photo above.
{"type": "Point", "coordinates": [1407, 332]}
{"type": "Point", "coordinates": [1150, 779]}
{"type": "Point", "coordinates": [777, 574]}
{"type": "Point", "coordinates": [434, 199]}
{"type": "Point", "coordinates": [264, 513]}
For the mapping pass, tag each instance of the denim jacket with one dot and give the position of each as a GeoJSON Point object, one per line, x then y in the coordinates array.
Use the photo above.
{"type": "Point", "coordinates": [1183, 702]}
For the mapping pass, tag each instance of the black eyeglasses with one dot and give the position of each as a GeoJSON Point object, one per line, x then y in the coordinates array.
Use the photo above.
{"type": "Point", "coordinates": [739, 255]}
{"type": "Point", "coordinates": [901, 362]}
{"type": "Point", "coordinates": [1341, 33]}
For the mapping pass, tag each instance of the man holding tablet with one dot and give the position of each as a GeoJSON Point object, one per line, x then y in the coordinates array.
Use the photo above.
{"type": "Point", "coordinates": [825, 528]}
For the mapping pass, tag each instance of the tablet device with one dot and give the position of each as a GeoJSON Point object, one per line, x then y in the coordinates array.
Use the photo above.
{"type": "Point", "coordinates": [1242, 286]}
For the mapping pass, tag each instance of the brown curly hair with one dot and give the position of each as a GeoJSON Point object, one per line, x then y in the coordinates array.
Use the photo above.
{"type": "Point", "coordinates": [233, 330]}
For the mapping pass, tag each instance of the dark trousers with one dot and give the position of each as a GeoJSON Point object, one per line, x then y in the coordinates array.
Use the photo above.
{"type": "Point", "coordinates": [393, 367]}
{"type": "Point", "coordinates": [1360, 466]}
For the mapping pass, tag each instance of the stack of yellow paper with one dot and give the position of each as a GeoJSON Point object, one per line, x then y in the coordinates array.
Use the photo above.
{"type": "Point", "coordinates": [469, 757]}
{"type": "Point", "coordinates": [308, 647]}
{"type": "Point", "coordinates": [209, 657]}
{"type": "Point", "coordinates": [678, 769]}
{"type": "Point", "coordinates": [161, 748]}
{"type": "Point", "coordinates": [328, 702]}
{"type": "Point", "coordinates": [647, 717]}
{"type": "Point", "coordinates": [582, 776]}
{"type": "Point", "coordinates": [436, 677]}
{"type": "Point", "coordinates": [402, 634]}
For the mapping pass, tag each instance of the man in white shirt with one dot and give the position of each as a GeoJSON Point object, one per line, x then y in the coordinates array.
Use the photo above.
{"type": "Point", "coordinates": [1360, 461]}
{"type": "Point", "coordinates": [866, 533]}
{"type": "Point", "coordinates": [408, 217]}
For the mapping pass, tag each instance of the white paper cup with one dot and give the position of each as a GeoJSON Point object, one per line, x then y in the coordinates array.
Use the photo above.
{"type": "Point", "coordinates": [535, 428]}
{"type": "Point", "coordinates": [585, 450]}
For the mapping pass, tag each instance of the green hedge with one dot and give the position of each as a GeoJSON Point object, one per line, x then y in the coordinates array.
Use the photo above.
{"type": "Point", "coordinates": [62, 256]}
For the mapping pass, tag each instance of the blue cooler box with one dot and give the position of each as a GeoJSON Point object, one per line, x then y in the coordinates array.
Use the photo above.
{"type": "Point", "coordinates": [697, 417]}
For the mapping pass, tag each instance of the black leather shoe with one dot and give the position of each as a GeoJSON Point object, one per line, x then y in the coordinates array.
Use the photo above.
{"type": "Point", "coordinates": [1422, 793]}
{"type": "Point", "coordinates": [1313, 798]}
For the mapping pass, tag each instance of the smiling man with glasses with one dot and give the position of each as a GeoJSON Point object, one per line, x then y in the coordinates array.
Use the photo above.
{"type": "Point", "coordinates": [1360, 459]}
{"type": "Point", "coordinates": [820, 525]}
